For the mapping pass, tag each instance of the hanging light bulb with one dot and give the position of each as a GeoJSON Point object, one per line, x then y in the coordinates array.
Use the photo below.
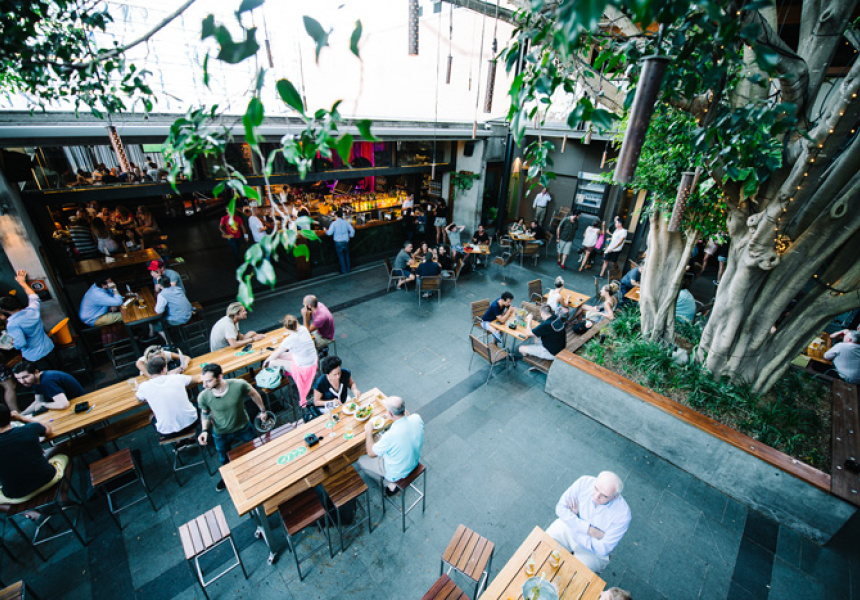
{"type": "Point", "coordinates": [413, 27]}
{"type": "Point", "coordinates": [684, 191]}
{"type": "Point", "coordinates": [450, 44]}
{"type": "Point", "coordinates": [491, 81]}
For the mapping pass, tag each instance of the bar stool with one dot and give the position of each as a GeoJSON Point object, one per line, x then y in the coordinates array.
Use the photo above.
{"type": "Point", "coordinates": [17, 591]}
{"type": "Point", "coordinates": [403, 485]}
{"type": "Point", "coordinates": [205, 533]}
{"type": "Point", "coordinates": [471, 555]}
{"type": "Point", "coordinates": [445, 589]}
{"type": "Point", "coordinates": [57, 499]}
{"type": "Point", "coordinates": [184, 440]}
{"type": "Point", "coordinates": [115, 466]}
{"type": "Point", "coordinates": [343, 487]}
{"type": "Point", "coordinates": [297, 514]}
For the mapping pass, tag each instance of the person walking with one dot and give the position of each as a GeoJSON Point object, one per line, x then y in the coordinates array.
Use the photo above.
{"type": "Point", "coordinates": [341, 231]}
{"type": "Point", "coordinates": [539, 205]}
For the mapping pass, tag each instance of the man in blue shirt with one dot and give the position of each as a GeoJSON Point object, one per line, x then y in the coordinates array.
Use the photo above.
{"type": "Point", "coordinates": [341, 231]}
{"type": "Point", "coordinates": [592, 519]}
{"type": "Point", "coordinates": [25, 325]}
{"type": "Point", "coordinates": [172, 300]}
{"type": "Point", "coordinates": [500, 310]}
{"type": "Point", "coordinates": [97, 303]}
{"type": "Point", "coordinates": [396, 453]}
{"type": "Point", "coordinates": [54, 389]}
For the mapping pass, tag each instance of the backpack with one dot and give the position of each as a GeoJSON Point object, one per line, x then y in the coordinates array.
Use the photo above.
{"type": "Point", "coordinates": [268, 378]}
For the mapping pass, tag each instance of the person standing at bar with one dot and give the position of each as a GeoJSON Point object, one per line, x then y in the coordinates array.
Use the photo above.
{"type": "Point", "coordinates": [25, 326]}
{"type": "Point", "coordinates": [233, 230]}
{"type": "Point", "coordinates": [341, 231]}
{"type": "Point", "coordinates": [539, 204]}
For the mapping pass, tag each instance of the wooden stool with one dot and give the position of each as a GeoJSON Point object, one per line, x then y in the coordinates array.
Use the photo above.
{"type": "Point", "coordinates": [205, 533]}
{"type": "Point", "coordinates": [17, 591]}
{"type": "Point", "coordinates": [403, 485]}
{"type": "Point", "coordinates": [445, 589]}
{"type": "Point", "coordinates": [471, 555]}
{"type": "Point", "coordinates": [297, 514]}
{"type": "Point", "coordinates": [343, 487]}
{"type": "Point", "coordinates": [109, 468]}
{"type": "Point", "coordinates": [58, 499]}
{"type": "Point", "coordinates": [184, 441]}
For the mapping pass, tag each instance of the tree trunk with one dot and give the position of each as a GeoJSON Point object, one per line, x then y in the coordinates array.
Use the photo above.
{"type": "Point", "coordinates": [668, 256]}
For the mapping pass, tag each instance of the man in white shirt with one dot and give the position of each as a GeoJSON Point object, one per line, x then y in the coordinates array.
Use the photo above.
{"type": "Point", "coordinates": [592, 519]}
{"type": "Point", "coordinates": [226, 332]}
{"type": "Point", "coordinates": [256, 225]}
{"type": "Point", "coordinates": [396, 453]}
{"type": "Point", "coordinates": [539, 205]}
{"type": "Point", "coordinates": [167, 397]}
{"type": "Point", "coordinates": [616, 245]}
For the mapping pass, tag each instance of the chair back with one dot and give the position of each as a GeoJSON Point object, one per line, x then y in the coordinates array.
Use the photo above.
{"type": "Point", "coordinates": [429, 283]}
{"type": "Point", "coordinates": [479, 308]}
{"type": "Point", "coordinates": [387, 264]}
{"type": "Point", "coordinates": [480, 348]}
{"type": "Point", "coordinates": [535, 290]}
{"type": "Point", "coordinates": [458, 268]}
{"type": "Point", "coordinates": [503, 259]}
{"type": "Point", "coordinates": [548, 237]}
{"type": "Point", "coordinates": [531, 308]}
{"type": "Point", "coordinates": [531, 249]}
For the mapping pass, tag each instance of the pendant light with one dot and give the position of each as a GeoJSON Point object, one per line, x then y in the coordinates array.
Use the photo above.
{"type": "Point", "coordinates": [491, 67]}
{"type": "Point", "coordinates": [413, 27]}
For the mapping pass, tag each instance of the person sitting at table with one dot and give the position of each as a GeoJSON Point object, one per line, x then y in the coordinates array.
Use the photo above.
{"type": "Point", "coordinates": [158, 269]}
{"type": "Point", "coordinates": [422, 251]}
{"type": "Point", "coordinates": [222, 408]}
{"type": "Point", "coordinates": [429, 267]}
{"type": "Point", "coordinates": [104, 240]}
{"type": "Point", "coordinates": [401, 265]}
{"type": "Point", "coordinates": [446, 261]}
{"type": "Point", "coordinates": [538, 232]}
{"type": "Point", "coordinates": [518, 227]}
{"type": "Point", "coordinates": [453, 232]}
{"type": "Point", "coordinates": [167, 396]}
{"type": "Point", "coordinates": [500, 310]}
{"type": "Point", "coordinates": [846, 357]}
{"type": "Point", "coordinates": [53, 389]}
{"type": "Point", "coordinates": [632, 279]}
{"type": "Point", "coordinates": [32, 471]}
{"type": "Point", "coordinates": [318, 320]}
{"type": "Point", "coordinates": [225, 333]}
{"type": "Point", "coordinates": [550, 335]}
{"type": "Point", "coordinates": [592, 519]}
{"type": "Point", "coordinates": [123, 218]}
{"type": "Point", "coordinates": [146, 224]}
{"type": "Point", "coordinates": [180, 361]}
{"type": "Point", "coordinates": [297, 355]}
{"type": "Point", "coordinates": [480, 238]}
{"type": "Point", "coordinates": [555, 300]}
{"type": "Point", "coordinates": [587, 315]}
{"type": "Point", "coordinates": [100, 304]}
{"type": "Point", "coordinates": [841, 334]}
{"type": "Point", "coordinates": [173, 303]}
{"type": "Point", "coordinates": [331, 388]}
{"type": "Point", "coordinates": [685, 305]}
{"type": "Point", "coordinates": [398, 450]}
{"type": "Point", "coordinates": [8, 356]}
{"type": "Point", "coordinates": [25, 326]}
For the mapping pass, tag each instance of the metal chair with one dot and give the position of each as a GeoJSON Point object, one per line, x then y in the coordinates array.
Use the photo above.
{"type": "Point", "coordinates": [490, 352]}
{"type": "Point", "coordinates": [535, 291]}
{"type": "Point", "coordinates": [458, 268]}
{"type": "Point", "coordinates": [180, 442]}
{"type": "Point", "coordinates": [547, 241]}
{"type": "Point", "coordinates": [429, 285]}
{"type": "Point", "coordinates": [203, 534]}
{"type": "Point", "coordinates": [502, 262]}
{"type": "Point", "coordinates": [392, 278]}
{"type": "Point", "coordinates": [530, 250]}
{"type": "Point", "coordinates": [344, 487]}
{"type": "Point", "coordinates": [115, 466]}
{"type": "Point", "coordinates": [297, 514]}
{"type": "Point", "coordinates": [478, 309]}
{"type": "Point", "coordinates": [403, 485]}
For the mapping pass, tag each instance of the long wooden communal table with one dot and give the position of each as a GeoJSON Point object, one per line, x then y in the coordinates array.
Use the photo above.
{"type": "Point", "coordinates": [573, 579]}
{"type": "Point", "coordinates": [129, 259]}
{"type": "Point", "coordinates": [112, 401]}
{"type": "Point", "coordinates": [574, 299]}
{"type": "Point", "coordinates": [273, 473]}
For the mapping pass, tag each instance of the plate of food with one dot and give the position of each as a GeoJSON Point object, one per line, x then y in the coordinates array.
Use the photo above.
{"type": "Point", "coordinates": [363, 413]}
{"type": "Point", "coordinates": [378, 423]}
{"type": "Point", "coordinates": [349, 408]}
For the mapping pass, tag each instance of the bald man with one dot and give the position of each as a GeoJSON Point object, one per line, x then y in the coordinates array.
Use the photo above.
{"type": "Point", "coordinates": [396, 453]}
{"type": "Point", "coordinates": [592, 519]}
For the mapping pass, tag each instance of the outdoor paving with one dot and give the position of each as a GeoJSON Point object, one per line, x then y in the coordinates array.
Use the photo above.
{"type": "Point", "coordinates": [499, 455]}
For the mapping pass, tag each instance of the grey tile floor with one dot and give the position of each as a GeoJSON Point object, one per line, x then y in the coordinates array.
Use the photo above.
{"type": "Point", "coordinates": [499, 455]}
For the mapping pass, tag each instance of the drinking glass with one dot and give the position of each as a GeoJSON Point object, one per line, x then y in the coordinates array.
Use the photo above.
{"type": "Point", "coordinates": [530, 566]}
{"type": "Point", "coordinates": [132, 383]}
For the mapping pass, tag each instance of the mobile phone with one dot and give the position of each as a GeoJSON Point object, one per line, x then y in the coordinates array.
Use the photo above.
{"type": "Point", "coordinates": [246, 348]}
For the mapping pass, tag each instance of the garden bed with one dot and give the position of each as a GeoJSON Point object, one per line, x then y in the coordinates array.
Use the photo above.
{"type": "Point", "coordinates": [794, 417]}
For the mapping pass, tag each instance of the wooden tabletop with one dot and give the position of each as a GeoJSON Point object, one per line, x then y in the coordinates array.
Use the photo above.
{"type": "Point", "coordinates": [96, 265]}
{"type": "Point", "coordinates": [520, 333]}
{"type": "Point", "coordinates": [574, 580]}
{"type": "Point", "coordinates": [522, 237]}
{"type": "Point", "coordinates": [633, 294]}
{"type": "Point", "coordinates": [574, 299]}
{"type": "Point", "coordinates": [286, 466]}
{"type": "Point", "coordinates": [485, 249]}
{"type": "Point", "coordinates": [134, 313]}
{"type": "Point", "coordinates": [105, 403]}
{"type": "Point", "coordinates": [228, 359]}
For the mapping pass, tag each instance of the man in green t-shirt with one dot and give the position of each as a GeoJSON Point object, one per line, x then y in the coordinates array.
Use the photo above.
{"type": "Point", "coordinates": [222, 407]}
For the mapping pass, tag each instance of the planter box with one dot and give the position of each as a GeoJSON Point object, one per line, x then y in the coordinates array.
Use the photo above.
{"type": "Point", "coordinates": [795, 498]}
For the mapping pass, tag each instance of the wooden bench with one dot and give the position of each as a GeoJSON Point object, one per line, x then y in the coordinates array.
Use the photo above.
{"type": "Point", "coordinates": [845, 474]}
{"type": "Point", "coordinates": [110, 433]}
{"type": "Point", "coordinates": [445, 589]}
{"type": "Point", "coordinates": [13, 592]}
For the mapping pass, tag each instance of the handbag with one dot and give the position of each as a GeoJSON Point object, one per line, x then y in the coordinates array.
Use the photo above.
{"type": "Point", "coordinates": [599, 243]}
{"type": "Point", "coordinates": [268, 378]}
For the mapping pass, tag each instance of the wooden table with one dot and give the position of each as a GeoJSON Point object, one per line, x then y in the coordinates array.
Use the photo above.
{"type": "Point", "coordinates": [633, 294]}
{"type": "Point", "coordinates": [574, 299]}
{"type": "Point", "coordinates": [105, 403]}
{"type": "Point", "coordinates": [520, 333]}
{"type": "Point", "coordinates": [134, 314]}
{"type": "Point", "coordinates": [573, 579]}
{"type": "Point", "coordinates": [273, 473]}
{"type": "Point", "coordinates": [472, 252]}
{"type": "Point", "coordinates": [226, 357]}
{"type": "Point", "coordinates": [97, 265]}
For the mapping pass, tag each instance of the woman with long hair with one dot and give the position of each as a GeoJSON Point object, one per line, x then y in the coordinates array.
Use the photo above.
{"type": "Point", "coordinates": [297, 355]}
{"type": "Point", "coordinates": [104, 240]}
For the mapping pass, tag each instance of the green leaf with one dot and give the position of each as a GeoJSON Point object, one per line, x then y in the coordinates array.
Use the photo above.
{"type": "Point", "coordinates": [266, 273]}
{"type": "Point", "coordinates": [255, 111]}
{"type": "Point", "coordinates": [233, 53]}
{"type": "Point", "coordinates": [218, 189]}
{"type": "Point", "coordinates": [343, 146]}
{"type": "Point", "coordinates": [251, 193]}
{"type": "Point", "coordinates": [207, 29]}
{"type": "Point", "coordinates": [355, 38]}
{"type": "Point", "coordinates": [290, 95]}
{"type": "Point", "coordinates": [319, 35]}
{"type": "Point", "coordinates": [364, 130]}
{"type": "Point", "coordinates": [310, 234]}
{"type": "Point", "coordinates": [300, 250]}
{"type": "Point", "coordinates": [249, 5]}
{"type": "Point", "coordinates": [261, 79]}
{"type": "Point", "coordinates": [206, 70]}
{"type": "Point", "coordinates": [254, 254]}
{"type": "Point", "coordinates": [245, 294]}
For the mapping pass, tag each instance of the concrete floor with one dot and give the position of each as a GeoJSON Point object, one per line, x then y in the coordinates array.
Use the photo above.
{"type": "Point", "coordinates": [499, 455]}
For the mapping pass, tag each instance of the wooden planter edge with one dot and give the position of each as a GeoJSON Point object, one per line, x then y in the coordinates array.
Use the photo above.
{"type": "Point", "coordinates": [763, 452]}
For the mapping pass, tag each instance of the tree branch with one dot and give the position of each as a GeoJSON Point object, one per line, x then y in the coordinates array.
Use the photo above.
{"type": "Point", "coordinates": [67, 67]}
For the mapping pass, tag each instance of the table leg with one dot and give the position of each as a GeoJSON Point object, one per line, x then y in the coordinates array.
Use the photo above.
{"type": "Point", "coordinates": [264, 531]}
{"type": "Point", "coordinates": [134, 345]}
